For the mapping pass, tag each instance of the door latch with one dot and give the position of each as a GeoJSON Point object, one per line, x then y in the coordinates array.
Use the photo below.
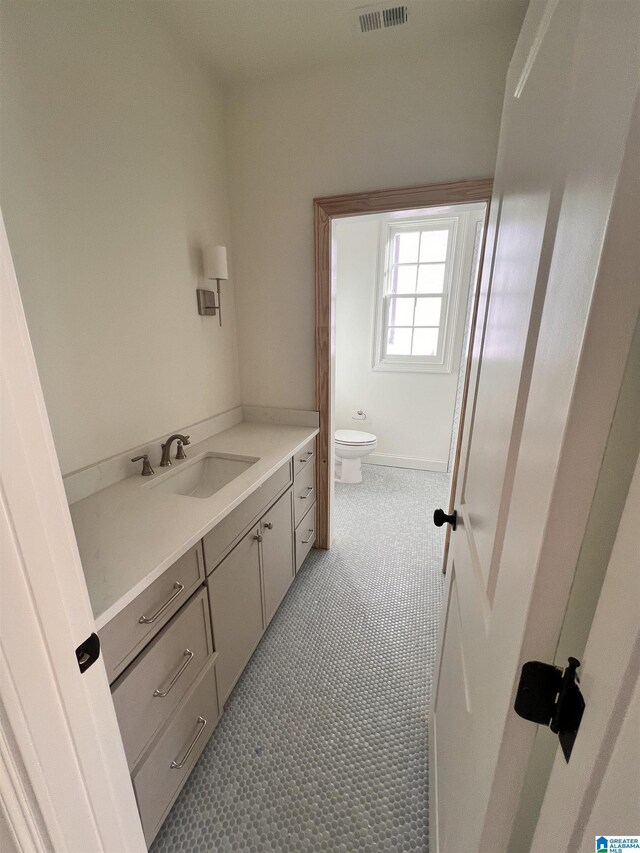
{"type": "Point", "coordinates": [550, 696]}
{"type": "Point", "coordinates": [88, 652]}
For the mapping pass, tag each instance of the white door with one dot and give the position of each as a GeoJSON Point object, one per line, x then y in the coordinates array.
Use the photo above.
{"type": "Point", "coordinates": [598, 792]}
{"type": "Point", "coordinates": [64, 783]}
{"type": "Point", "coordinates": [556, 316]}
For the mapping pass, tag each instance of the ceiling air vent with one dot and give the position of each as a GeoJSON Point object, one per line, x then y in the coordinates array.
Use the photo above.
{"type": "Point", "coordinates": [375, 18]}
{"type": "Point", "coordinates": [395, 15]}
{"type": "Point", "coordinates": [370, 21]}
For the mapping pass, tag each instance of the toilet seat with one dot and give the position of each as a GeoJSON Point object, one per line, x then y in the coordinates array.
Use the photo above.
{"type": "Point", "coordinates": [350, 447]}
{"type": "Point", "coordinates": [354, 438]}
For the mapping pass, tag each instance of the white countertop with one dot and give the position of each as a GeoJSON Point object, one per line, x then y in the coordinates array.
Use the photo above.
{"type": "Point", "coordinates": [128, 534]}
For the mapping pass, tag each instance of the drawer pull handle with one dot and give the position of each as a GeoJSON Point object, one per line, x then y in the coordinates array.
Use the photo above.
{"type": "Point", "coordinates": [178, 765]}
{"type": "Point", "coordinates": [147, 620]}
{"type": "Point", "coordinates": [304, 460]}
{"type": "Point", "coordinates": [162, 693]}
{"type": "Point", "coordinates": [304, 497]}
{"type": "Point", "coordinates": [309, 538]}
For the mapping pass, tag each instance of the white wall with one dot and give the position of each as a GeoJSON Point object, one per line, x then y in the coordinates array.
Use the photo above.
{"type": "Point", "coordinates": [430, 118]}
{"type": "Point", "coordinates": [112, 174]}
{"type": "Point", "coordinates": [411, 414]}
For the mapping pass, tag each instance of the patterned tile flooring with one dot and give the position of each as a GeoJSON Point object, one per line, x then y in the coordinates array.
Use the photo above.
{"type": "Point", "coordinates": [323, 743]}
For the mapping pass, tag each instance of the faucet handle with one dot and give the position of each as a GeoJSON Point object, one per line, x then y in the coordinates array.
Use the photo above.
{"type": "Point", "coordinates": [147, 470]}
{"type": "Point", "coordinates": [180, 454]}
{"type": "Point", "coordinates": [185, 440]}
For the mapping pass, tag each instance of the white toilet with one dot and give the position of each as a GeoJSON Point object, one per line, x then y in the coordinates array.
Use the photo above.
{"type": "Point", "coordinates": [351, 446]}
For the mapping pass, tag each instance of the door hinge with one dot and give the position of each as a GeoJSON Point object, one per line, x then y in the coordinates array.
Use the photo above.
{"type": "Point", "coordinates": [88, 652]}
{"type": "Point", "coordinates": [550, 696]}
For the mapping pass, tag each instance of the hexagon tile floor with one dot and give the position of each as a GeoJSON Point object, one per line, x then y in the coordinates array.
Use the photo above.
{"type": "Point", "coordinates": [323, 743]}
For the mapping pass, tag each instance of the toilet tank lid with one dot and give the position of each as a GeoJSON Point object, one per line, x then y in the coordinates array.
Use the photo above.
{"type": "Point", "coordinates": [354, 436]}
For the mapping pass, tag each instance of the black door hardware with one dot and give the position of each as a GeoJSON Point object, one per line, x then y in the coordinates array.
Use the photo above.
{"type": "Point", "coordinates": [440, 517]}
{"type": "Point", "coordinates": [550, 696]}
{"type": "Point", "coordinates": [88, 652]}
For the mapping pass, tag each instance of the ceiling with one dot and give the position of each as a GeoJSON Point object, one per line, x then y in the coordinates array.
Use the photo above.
{"type": "Point", "coordinates": [243, 40]}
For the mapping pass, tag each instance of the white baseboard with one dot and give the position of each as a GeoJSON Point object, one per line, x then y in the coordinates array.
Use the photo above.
{"type": "Point", "coordinates": [392, 460]}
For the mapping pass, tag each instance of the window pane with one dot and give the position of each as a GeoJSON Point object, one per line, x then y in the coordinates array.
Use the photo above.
{"type": "Point", "coordinates": [433, 245]}
{"type": "Point", "coordinates": [428, 311]}
{"type": "Point", "coordinates": [405, 248]}
{"type": "Point", "coordinates": [404, 279]}
{"type": "Point", "coordinates": [401, 312]}
{"type": "Point", "coordinates": [399, 341]}
{"type": "Point", "coordinates": [425, 342]}
{"type": "Point", "coordinates": [431, 278]}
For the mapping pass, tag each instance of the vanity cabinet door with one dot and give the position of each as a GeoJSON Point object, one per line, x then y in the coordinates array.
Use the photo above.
{"type": "Point", "coordinates": [278, 570]}
{"type": "Point", "coordinates": [236, 610]}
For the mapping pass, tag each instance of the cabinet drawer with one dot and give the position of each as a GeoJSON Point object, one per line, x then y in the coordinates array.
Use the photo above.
{"type": "Point", "coordinates": [304, 458]}
{"type": "Point", "coordinates": [127, 633]}
{"type": "Point", "coordinates": [305, 536]}
{"type": "Point", "coordinates": [153, 686]}
{"type": "Point", "coordinates": [225, 534]}
{"type": "Point", "coordinates": [304, 492]}
{"type": "Point", "coordinates": [159, 779]}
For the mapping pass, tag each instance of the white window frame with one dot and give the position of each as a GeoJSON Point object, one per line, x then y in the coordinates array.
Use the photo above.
{"type": "Point", "coordinates": [442, 362]}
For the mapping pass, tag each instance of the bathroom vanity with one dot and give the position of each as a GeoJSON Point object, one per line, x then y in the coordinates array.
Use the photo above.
{"type": "Point", "coordinates": [184, 582]}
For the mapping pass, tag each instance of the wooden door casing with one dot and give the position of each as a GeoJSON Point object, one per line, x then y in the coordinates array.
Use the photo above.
{"type": "Point", "coordinates": [356, 204]}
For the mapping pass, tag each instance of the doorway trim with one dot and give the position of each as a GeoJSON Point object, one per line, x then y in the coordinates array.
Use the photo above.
{"type": "Point", "coordinates": [325, 209]}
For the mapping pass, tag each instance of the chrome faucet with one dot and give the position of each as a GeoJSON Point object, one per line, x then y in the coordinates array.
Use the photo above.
{"type": "Point", "coordinates": [166, 448]}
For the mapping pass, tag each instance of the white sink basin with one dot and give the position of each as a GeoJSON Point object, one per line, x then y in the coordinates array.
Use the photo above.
{"type": "Point", "coordinates": [203, 477]}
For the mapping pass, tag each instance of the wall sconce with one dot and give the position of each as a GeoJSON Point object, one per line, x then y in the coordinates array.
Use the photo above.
{"type": "Point", "coordinates": [214, 260]}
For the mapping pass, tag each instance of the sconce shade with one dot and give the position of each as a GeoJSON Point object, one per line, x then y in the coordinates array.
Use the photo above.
{"type": "Point", "coordinates": [215, 262]}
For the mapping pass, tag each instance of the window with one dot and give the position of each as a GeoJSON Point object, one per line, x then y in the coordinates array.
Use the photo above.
{"type": "Point", "coordinates": [416, 303]}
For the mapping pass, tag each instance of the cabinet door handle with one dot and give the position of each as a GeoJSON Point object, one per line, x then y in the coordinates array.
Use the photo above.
{"type": "Point", "coordinates": [304, 497]}
{"type": "Point", "coordinates": [178, 765]}
{"type": "Point", "coordinates": [309, 538]}
{"type": "Point", "coordinates": [147, 620]}
{"type": "Point", "coordinates": [162, 693]}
